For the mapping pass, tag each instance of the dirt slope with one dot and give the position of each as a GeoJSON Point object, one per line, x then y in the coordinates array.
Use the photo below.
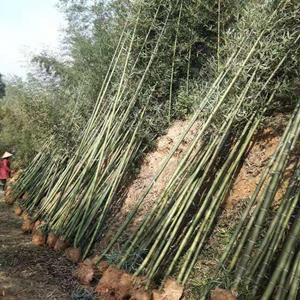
{"type": "Point", "coordinates": [152, 164]}
{"type": "Point", "coordinates": [28, 272]}
{"type": "Point", "coordinates": [148, 169]}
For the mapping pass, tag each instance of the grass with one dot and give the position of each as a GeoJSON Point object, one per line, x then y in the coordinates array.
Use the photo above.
{"type": "Point", "coordinates": [83, 294]}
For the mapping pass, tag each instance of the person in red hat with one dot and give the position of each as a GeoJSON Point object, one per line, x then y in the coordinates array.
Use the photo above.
{"type": "Point", "coordinates": [5, 168]}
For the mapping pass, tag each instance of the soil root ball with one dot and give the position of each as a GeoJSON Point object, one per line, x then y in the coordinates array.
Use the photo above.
{"type": "Point", "coordinates": [140, 294]}
{"type": "Point", "coordinates": [8, 196]}
{"type": "Point", "coordinates": [51, 240]}
{"type": "Point", "coordinates": [61, 244]}
{"type": "Point", "coordinates": [25, 216]}
{"type": "Point", "coordinates": [18, 210]}
{"type": "Point", "coordinates": [110, 284]}
{"type": "Point", "coordinates": [86, 272]}
{"type": "Point", "coordinates": [27, 226]}
{"type": "Point", "coordinates": [102, 267]}
{"type": "Point", "coordinates": [73, 254]}
{"type": "Point", "coordinates": [38, 238]}
{"type": "Point", "coordinates": [116, 284]}
{"type": "Point", "coordinates": [38, 225]}
{"type": "Point", "coordinates": [220, 294]}
{"type": "Point", "coordinates": [172, 291]}
{"type": "Point", "coordinates": [157, 295]}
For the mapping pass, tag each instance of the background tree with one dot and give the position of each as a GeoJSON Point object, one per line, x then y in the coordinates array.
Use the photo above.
{"type": "Point", "coordinates": [2, 87]}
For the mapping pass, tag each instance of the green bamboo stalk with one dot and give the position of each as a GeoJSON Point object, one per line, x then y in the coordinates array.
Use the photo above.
{"type": "Point", "coordinates": [173, 61]}
{"type": "Point", "coordinates": [165, 162]}
{"type": "Point", "coordinates": [217, 145]}
{"type": "Point", "coordinates": [287, 250]}
{"type": "Point", "coordinates": [293, 292]}
{"type": "Point", "coordinates": [277, 227]}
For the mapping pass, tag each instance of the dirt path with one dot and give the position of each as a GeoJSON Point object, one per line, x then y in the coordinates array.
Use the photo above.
{"type": "Point", "coordinates": [26, 271]}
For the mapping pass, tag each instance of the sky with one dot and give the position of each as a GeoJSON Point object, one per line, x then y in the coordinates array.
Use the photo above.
{"type": "Point", "coordinates": [27, 27]}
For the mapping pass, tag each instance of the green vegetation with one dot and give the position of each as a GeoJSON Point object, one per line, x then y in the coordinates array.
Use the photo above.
{"type": "Point", "coordinates": [241, 95]}
{"type": "Point", "coordinates": [64, 89]}
{"type": "Point", "coordinates": [82, 294]}
{"type": "Point", "coordinates": [263, 244]}
{"type": "Point", "coordinates": [117, 133]}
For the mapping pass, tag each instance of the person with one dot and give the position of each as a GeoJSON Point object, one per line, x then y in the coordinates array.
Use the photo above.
{"type": "Point", "coordinates": [5, 168]}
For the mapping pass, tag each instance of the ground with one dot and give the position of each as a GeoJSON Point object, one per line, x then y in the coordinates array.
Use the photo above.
{"type": "Point", "coordinates": [26, 271]}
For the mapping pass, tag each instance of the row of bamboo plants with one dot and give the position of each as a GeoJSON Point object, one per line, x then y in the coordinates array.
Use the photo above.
{"type": "Point", "coordinates": [262, 255]}
{"type": "Point", "coordinates": [172, 235]}
{"type": "Point", "coordinates": [75, 197]}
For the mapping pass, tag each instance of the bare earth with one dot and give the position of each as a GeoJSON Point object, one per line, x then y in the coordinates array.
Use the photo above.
{"type": "Point", "coordinates": [26, 271]}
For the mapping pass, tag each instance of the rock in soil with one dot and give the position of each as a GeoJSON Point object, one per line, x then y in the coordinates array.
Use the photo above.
{"type": "Point", "coordinates": [220, 294]}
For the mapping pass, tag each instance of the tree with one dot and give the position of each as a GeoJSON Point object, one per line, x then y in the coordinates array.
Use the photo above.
{"type": "Point", "coordinates": [2, 87]}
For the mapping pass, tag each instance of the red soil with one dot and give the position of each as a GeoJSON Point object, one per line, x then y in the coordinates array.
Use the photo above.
{"type": "Point", "coordinates": [262, 148]}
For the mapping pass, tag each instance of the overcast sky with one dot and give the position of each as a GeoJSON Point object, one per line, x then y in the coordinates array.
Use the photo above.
{"type": "Point", "coordinates": [26, 27]}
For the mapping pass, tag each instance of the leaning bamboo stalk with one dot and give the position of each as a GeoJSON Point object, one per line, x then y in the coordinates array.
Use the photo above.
{"type": "Point", "coordinates": [268, 196]}
{"type": "Point", "coordinates": [165, 162]}
{"type": "Point", "coordinates": [203, 129]}
{"type": "Point", "coordinates": [173, 61]}
{"type": "Point", "coordinates": [294, 289]}
{"type": "Point", "coordinates": [276, 230]}
{"type": "Point", "coordinates": [215, 147]}
{"type": "Point", "coordinates": [287, 250]}
{"type": "Point", "coordinates": [120, 173]}
{"type": "Point", "coordinates": [135, 239]}
{"type": "Point", "coordinates": [218, 187]}
{"type": "Point", "coordinates": [281, 289]}
{"type": "Point", "coordinates": [98, 168]}
{"type": "Point", "coordinates": [219, 197]}
{"type": "Point", "coordinates": [109, 135]}
{"type": "Point", "coordinates": [278, 154]}
{"type": "Point", "coordinates": [157, 261]}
